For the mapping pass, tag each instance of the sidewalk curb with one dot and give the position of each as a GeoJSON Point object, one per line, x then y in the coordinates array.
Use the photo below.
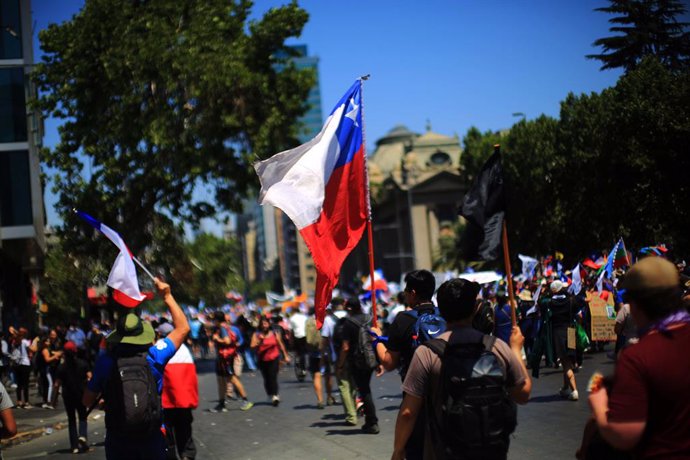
{"type": "Point", "coordinates": [30, 435]}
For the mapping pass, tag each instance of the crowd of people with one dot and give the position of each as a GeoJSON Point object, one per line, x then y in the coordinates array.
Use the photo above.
{"type": "Point", "coordinates": [464, 362]}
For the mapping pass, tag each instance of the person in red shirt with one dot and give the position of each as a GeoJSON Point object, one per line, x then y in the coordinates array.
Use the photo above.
{"type": "Point", "coordinates": [269, 346]}
{"type": "Point", "coordinates": [648, 410]}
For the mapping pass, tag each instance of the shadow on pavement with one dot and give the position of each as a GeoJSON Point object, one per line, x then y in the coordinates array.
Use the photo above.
{"type": "Point", "coordinates": [546, 399]}
{"type": "Point", "coordinates": [350, 432]}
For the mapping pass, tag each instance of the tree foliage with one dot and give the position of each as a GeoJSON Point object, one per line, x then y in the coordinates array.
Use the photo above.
{"type": "Point", "coordinates": [645, 28]}
{"type": "Point", "coordinates": [614, 164]}
{"type": "Point", "coordinates": [217, 269]}
{"type": "Point", "coordinates": [160, 98]}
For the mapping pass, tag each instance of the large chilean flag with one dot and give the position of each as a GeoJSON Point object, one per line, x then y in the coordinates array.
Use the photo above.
{"type": "Point", "coordinates": [123, 275]}
{"type": "Point", "coordinates": [322, 186]}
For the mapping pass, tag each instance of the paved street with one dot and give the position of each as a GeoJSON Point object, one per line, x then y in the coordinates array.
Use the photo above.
{"type": "Point", "coordinates": [549, 428]}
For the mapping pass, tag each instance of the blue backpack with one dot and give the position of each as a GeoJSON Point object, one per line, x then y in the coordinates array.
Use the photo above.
{"type": "Point", "coordinates": [429, 325]}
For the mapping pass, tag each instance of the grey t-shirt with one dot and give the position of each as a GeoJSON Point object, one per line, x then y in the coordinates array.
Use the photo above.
{"type": "Point", "coordinates": [423, 375]}
{"type": "Point", "coordinates": [5, 400]}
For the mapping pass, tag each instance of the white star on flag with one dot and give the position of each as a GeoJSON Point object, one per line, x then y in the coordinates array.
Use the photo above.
{"type": "Point", "coordinates": [352, 114]}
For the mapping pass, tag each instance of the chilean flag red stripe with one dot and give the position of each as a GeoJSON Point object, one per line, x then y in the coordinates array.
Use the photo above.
{"type": "Point", "coordinates": [180, 384]}
{"type": "Point", "coordinates": [322, 187]}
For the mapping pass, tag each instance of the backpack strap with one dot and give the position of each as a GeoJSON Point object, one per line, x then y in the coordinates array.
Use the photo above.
{"type": "Point", "coordinates": [488, 341]}
{"type": "Point", "coordinates": [438, 346]}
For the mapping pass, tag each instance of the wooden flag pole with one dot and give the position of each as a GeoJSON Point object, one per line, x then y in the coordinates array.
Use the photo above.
{"type": "Point", "coordinates": [370, 233]}
{"type": "Point", "coordinates": [371, 272]}
{"type": "Point", "coordinates": [509, 274]}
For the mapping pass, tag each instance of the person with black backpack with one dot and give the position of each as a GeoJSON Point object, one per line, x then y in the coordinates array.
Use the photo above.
{"type": "Point", "coordinates": [129, 378]}
{"type": "Point", "coordinates": [410, 328]}
{"type": "Point", "coordinates": [358, 359]}
{"type": "Point", "coordinates": [467, 384]}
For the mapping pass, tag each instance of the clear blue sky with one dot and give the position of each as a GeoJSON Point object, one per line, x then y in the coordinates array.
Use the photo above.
{"type": "Point", "coordinates": [457, 63]}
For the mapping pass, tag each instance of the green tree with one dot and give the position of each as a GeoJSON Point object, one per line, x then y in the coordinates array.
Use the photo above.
{"type": "Point", "coordinates": [476, 149]}
{"type": "Point", "coordinates": [217, 268]}
{"type": "Point", "coordinates": [645, 28]}
{"type": "Point", "coordinates": [531, 164]}
{"type": "Point", "coordinates": [65, 279]}
{"type": "Point", "coordinates": [160, 98]}
{"type": "Point", "coordinates": [626, 161]}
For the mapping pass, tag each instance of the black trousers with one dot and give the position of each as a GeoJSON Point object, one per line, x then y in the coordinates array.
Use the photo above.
{"type": "Point", "coordinates": [362, 379]}
{"type": "Point", "coordinates": [74, 408]}
{"type": "Point", "coordinates": [22, 375]}
{"type": "Point", "coordinates": [269, 371]}
{"type": "Point", "coordinates": [179, 422]}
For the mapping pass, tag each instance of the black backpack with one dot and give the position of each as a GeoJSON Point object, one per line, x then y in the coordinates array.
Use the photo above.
{"type": "Point", "coordinates": [132, 402]}
{"type": "Point", "coordinates": [477, 414]}
{"type": "Point", "coordinates": [363, 356]}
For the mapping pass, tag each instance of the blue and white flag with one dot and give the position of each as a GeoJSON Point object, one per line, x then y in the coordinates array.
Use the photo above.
{"type": "Point", "coordinates": [528, 266]}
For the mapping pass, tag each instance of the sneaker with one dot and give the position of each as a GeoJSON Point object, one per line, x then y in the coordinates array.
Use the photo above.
{"type": "Point", "coordinates": [275, 400]}
{"type": "Point", "coordinates": [219, 408]}
{"type": "Point", "coordinates": [320, 406]}
{"type": "Point", "coordinates": [247, 405]}
{"type": "Point", "coordinates": [371, 429]}
{"type": "Point", "coordinates": [13, 386]}
{"type": "Point", "coordinates": [331, 401]}
{"type": "Point", "coordinates": [564, 392]}
{"type": "Point", "coordinates": [75, 451]}
{"type": "Point", "coordinates": [83, 444]}
{"type": "Point", "coordinates": [48, 406]}
{"type": "Point", "coordinates": [574, 396]}
{"type": "Point", "coordinates": [351, 422]}
{"type": "Point", "coordinates": [28, 406]}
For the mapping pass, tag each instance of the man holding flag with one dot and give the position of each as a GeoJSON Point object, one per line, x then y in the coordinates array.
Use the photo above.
{"type": "Point", "coordinates": [129, 377]}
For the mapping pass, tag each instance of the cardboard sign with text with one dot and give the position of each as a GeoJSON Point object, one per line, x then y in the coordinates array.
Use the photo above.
{"type": "Point", "coordinates": [603, 319]}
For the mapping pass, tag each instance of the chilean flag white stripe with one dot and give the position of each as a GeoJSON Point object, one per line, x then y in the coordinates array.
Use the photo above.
{"type": "Point", "coordinates": [123, 275]}
{"type": "Point", "coordinates": [295, 180]}
{"type": "Point", "coordinates": [180, 384]}
{"type": "Point", "coordinates": [322, 187]}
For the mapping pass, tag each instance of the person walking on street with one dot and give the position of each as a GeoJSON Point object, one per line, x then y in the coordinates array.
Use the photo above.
{"type": "Point", "coordinates": [227, 340]}
{"type": "Point", "coordinates": [133, 426]}
{"type": "Point", "coordinates": [398, 351]}
{"type": "Point", "coordinates": [72, 376]}
{"type": "Point", "coordinates": [21, 357]}
{"type": "Point", "coordinates": [180, 396]}
{"type": "Point", "coordinates": [426, 385]}
{"type": "Point", "coordinates": [332, 340]}
{"type": "Point", "coordinates": [352, 328]}
{"type": "Point", "coordinates": [269, 346]}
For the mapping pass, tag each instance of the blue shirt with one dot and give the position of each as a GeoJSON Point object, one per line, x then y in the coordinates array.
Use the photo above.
{"type": "Point", "coordinates": [194, 328]}
{"type": "Point", "coordinates": [503, 322]}
{"type": "Point", "coordinates": [158, 356]}
{"type": "Point", "coordinates": [77, 336]}
{"type": "Point", "coordinates": [238, 334]}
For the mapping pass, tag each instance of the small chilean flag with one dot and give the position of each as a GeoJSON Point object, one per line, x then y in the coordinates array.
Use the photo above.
{"type": "Point", "coordinates": [123, 275]}
{"type": "Point", "coordinates": [322, 186]}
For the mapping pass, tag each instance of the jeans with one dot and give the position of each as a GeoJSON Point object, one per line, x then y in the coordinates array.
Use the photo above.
{"type": "Point", "coordinates": [362, 379]}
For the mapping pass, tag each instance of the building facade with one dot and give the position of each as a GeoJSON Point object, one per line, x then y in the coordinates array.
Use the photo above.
{"type": "Point", "coordinates": [272, 245]}
{"type": "Point", "coordinates": [22, 222]}
{"type": "Point", "coordinates": [416, 188]}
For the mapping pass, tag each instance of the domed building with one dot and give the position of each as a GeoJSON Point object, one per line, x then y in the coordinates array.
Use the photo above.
{"type": "Point", "coordinates": [416, 188]}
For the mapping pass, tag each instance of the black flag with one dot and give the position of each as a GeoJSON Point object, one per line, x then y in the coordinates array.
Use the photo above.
{"type": "Point", "coordinates": [484, 208]}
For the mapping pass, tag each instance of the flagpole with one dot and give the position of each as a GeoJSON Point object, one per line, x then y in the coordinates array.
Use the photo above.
{"type": "Point", "coordinates": [509, 274]}
{"type": "Point", "coordinates": [153, 278]}
{"type": "Point", "coordinates": [506, 262]}
{"type": "Point", "coordinates": [370, 233]}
